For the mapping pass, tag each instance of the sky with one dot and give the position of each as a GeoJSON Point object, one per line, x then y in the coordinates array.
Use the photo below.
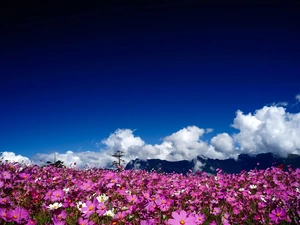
{"type": "Point", "coordinates": [169, 80]}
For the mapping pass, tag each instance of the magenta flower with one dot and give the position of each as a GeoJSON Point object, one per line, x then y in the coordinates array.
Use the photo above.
{"type": "Point", "coordinates": [163, 203]}
{"type": "Point", "coordinates": [6, 175]}
{"type": "Point", "coordinates": [24, 175]}
{"type": "Point", "coordinates": [101, 209]}
{"type": "Point", "coordinates": [277, 215]}
{"type": "Point", "coordinates": [181, 218]}
{"type": "Point", "coordinates": [82, 221]}
{"type": "Point", "coordinates": [148, 222]}
{"type": "Point", "coordinates": [48, 195]}
{"type": "Point", "coordinates": [60, 214]}
{"type": "Point", "coordinates": [90, 207]}
{"type": "Point", "coordinates": [216, 211]}
{"type": "Point", "coordinates": [31, 222]}
{"type": "Point", "coordinates": [200, 219]}
{"type": "Point", "coordinates": [4, 214]}
{"type": "Point", "coordinates": [120, 215]}
{"type": "Point", "coordinates": [132, 198]}
{"type": "Point", "coordinates": [58, 221]}
{"type": "Point", "coordinates": [57, 195]}
{"type": "Point", "coordinates": [18, 214]}
{"type": "Point", "coordinates": [86, 185]}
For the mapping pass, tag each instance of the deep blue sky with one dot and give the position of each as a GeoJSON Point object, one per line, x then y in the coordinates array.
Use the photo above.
{"type": "Point", "coordinates": [71, 76]}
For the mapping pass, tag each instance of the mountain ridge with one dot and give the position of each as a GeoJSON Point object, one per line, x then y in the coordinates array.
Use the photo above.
{"type": "Point", "coordinates": [244, 162]}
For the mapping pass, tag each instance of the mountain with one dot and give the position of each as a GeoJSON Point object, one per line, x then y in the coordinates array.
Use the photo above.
{"type": "Point", "coordinates": [244, 162]}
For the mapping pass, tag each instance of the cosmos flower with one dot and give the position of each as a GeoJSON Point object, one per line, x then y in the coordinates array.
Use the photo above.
{"type": "Point", "coordinates": [54, 206]}
{"type": "Point", "coordinates": [277, 215]}
{"type": "Point", "coordinates": [57, 195]}
{"type": "Point", "coordinates": [181, 218]}
{"type": "Point", "coordinates": [80, 205]}
{"type": "Point", "coordinates": [102, 198]}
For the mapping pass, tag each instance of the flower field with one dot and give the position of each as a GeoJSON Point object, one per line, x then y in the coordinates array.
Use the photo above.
{"type": "Point", "coordinates": [51, 195]}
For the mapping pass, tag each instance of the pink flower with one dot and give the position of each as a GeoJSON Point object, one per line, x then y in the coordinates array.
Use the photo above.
{"type": "Point", "coordinates": [277, 215]}
{"type": "Point", "coordinates": [148, 222]}
{"type": "Point", "coordinates": [90, 207]}
{"type": "Point", "coordinates": [216, 211]}
{"type": "Point", "coordinates": [18, 214]}
{"type": "Point", "coordinates": [200, 218]}
{"type": "Point", "coordinates": [6, 175]}
{"type": "Point", "coordinates": [82, 221]}
{"type": "Point", "coordinates": [101, 209]}
{"type": "Point", "coordinates": [31, 222]}
{"type": "Point", "coordinates": [57, 195]}
{"type": "Point", "coordinates": [182, 218]}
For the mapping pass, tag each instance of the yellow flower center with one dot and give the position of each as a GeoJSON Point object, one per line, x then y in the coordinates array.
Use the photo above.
{"type": "Point", "coordinates": [91, 208]}
{"type": "Point", "coordinates": [182, 222]}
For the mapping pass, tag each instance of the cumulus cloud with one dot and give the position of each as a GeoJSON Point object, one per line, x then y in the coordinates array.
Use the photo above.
{"type": "Point", "coordinates": [223, 143]}
{"type": "Point", "coordinates": [78, 159]}
{"type": "Point", "coordinates": [198, 165]}
{"type": "Point", "coordinates": [12, 157]}
{"type": "Point", "coordinates": [269, 129]}
{"type": "Point", "coordinates": [185, 144]}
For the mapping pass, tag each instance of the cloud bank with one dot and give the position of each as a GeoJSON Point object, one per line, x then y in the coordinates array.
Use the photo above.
{"type": "Point", "coordinates": [269, 129]}
{"type": "Point", "coordinates": [12, 157]}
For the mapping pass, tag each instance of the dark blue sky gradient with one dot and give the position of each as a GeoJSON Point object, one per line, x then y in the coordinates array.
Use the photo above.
{"type": "Point", "coordinates": [71, 73]}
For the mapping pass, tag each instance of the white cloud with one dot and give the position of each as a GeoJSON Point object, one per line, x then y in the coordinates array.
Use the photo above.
{"type": "Point", "coordinates": [298, 97]}
{"type": "Point", "coordinates": [184, 144]}
{"type": "Point", "coordinates": [284, 104]}
{"type": "Point", "coordinates": [224, 143]}
{"type": "Point", "coordinates": [198, 165]}
{"type": "Point", "coordinates": [270, 129]}
{"type": "Point", "coordinates": [12, 157]}
{"type": "Point", "coordinates": [122, 139]}
{"type": "Point", "coordinates": [82, 159]}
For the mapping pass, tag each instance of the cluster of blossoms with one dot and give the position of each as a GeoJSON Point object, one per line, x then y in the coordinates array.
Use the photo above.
{"type": "Point", "coordinates": [49, 195]}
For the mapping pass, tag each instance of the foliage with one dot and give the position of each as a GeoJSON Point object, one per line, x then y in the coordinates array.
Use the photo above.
{"type": "Point", "coordinates": [118, 154]}
{"type": "Point", "coordinates": [57, 163]}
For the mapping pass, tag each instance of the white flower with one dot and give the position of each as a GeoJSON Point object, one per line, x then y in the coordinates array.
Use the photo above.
{"type": "Point", "coordinates": [124, 208]}
{"type": "Point", "coordinates": [56, 205]}
{"type": "Point", "coordinates": [80, 205]}
{"type": "Point", "coordinates": [102, 198]}
{"type": "Point", "coordinates": [109, 213]}
{"type": "Point", "coordinates": [253, 186]}
{"type": "Point", "coordinates": [66, 190]}
{"type": "Point", "coordinates": [241, 189]}
{"type": "Point", "coordinates": [262, 197]}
